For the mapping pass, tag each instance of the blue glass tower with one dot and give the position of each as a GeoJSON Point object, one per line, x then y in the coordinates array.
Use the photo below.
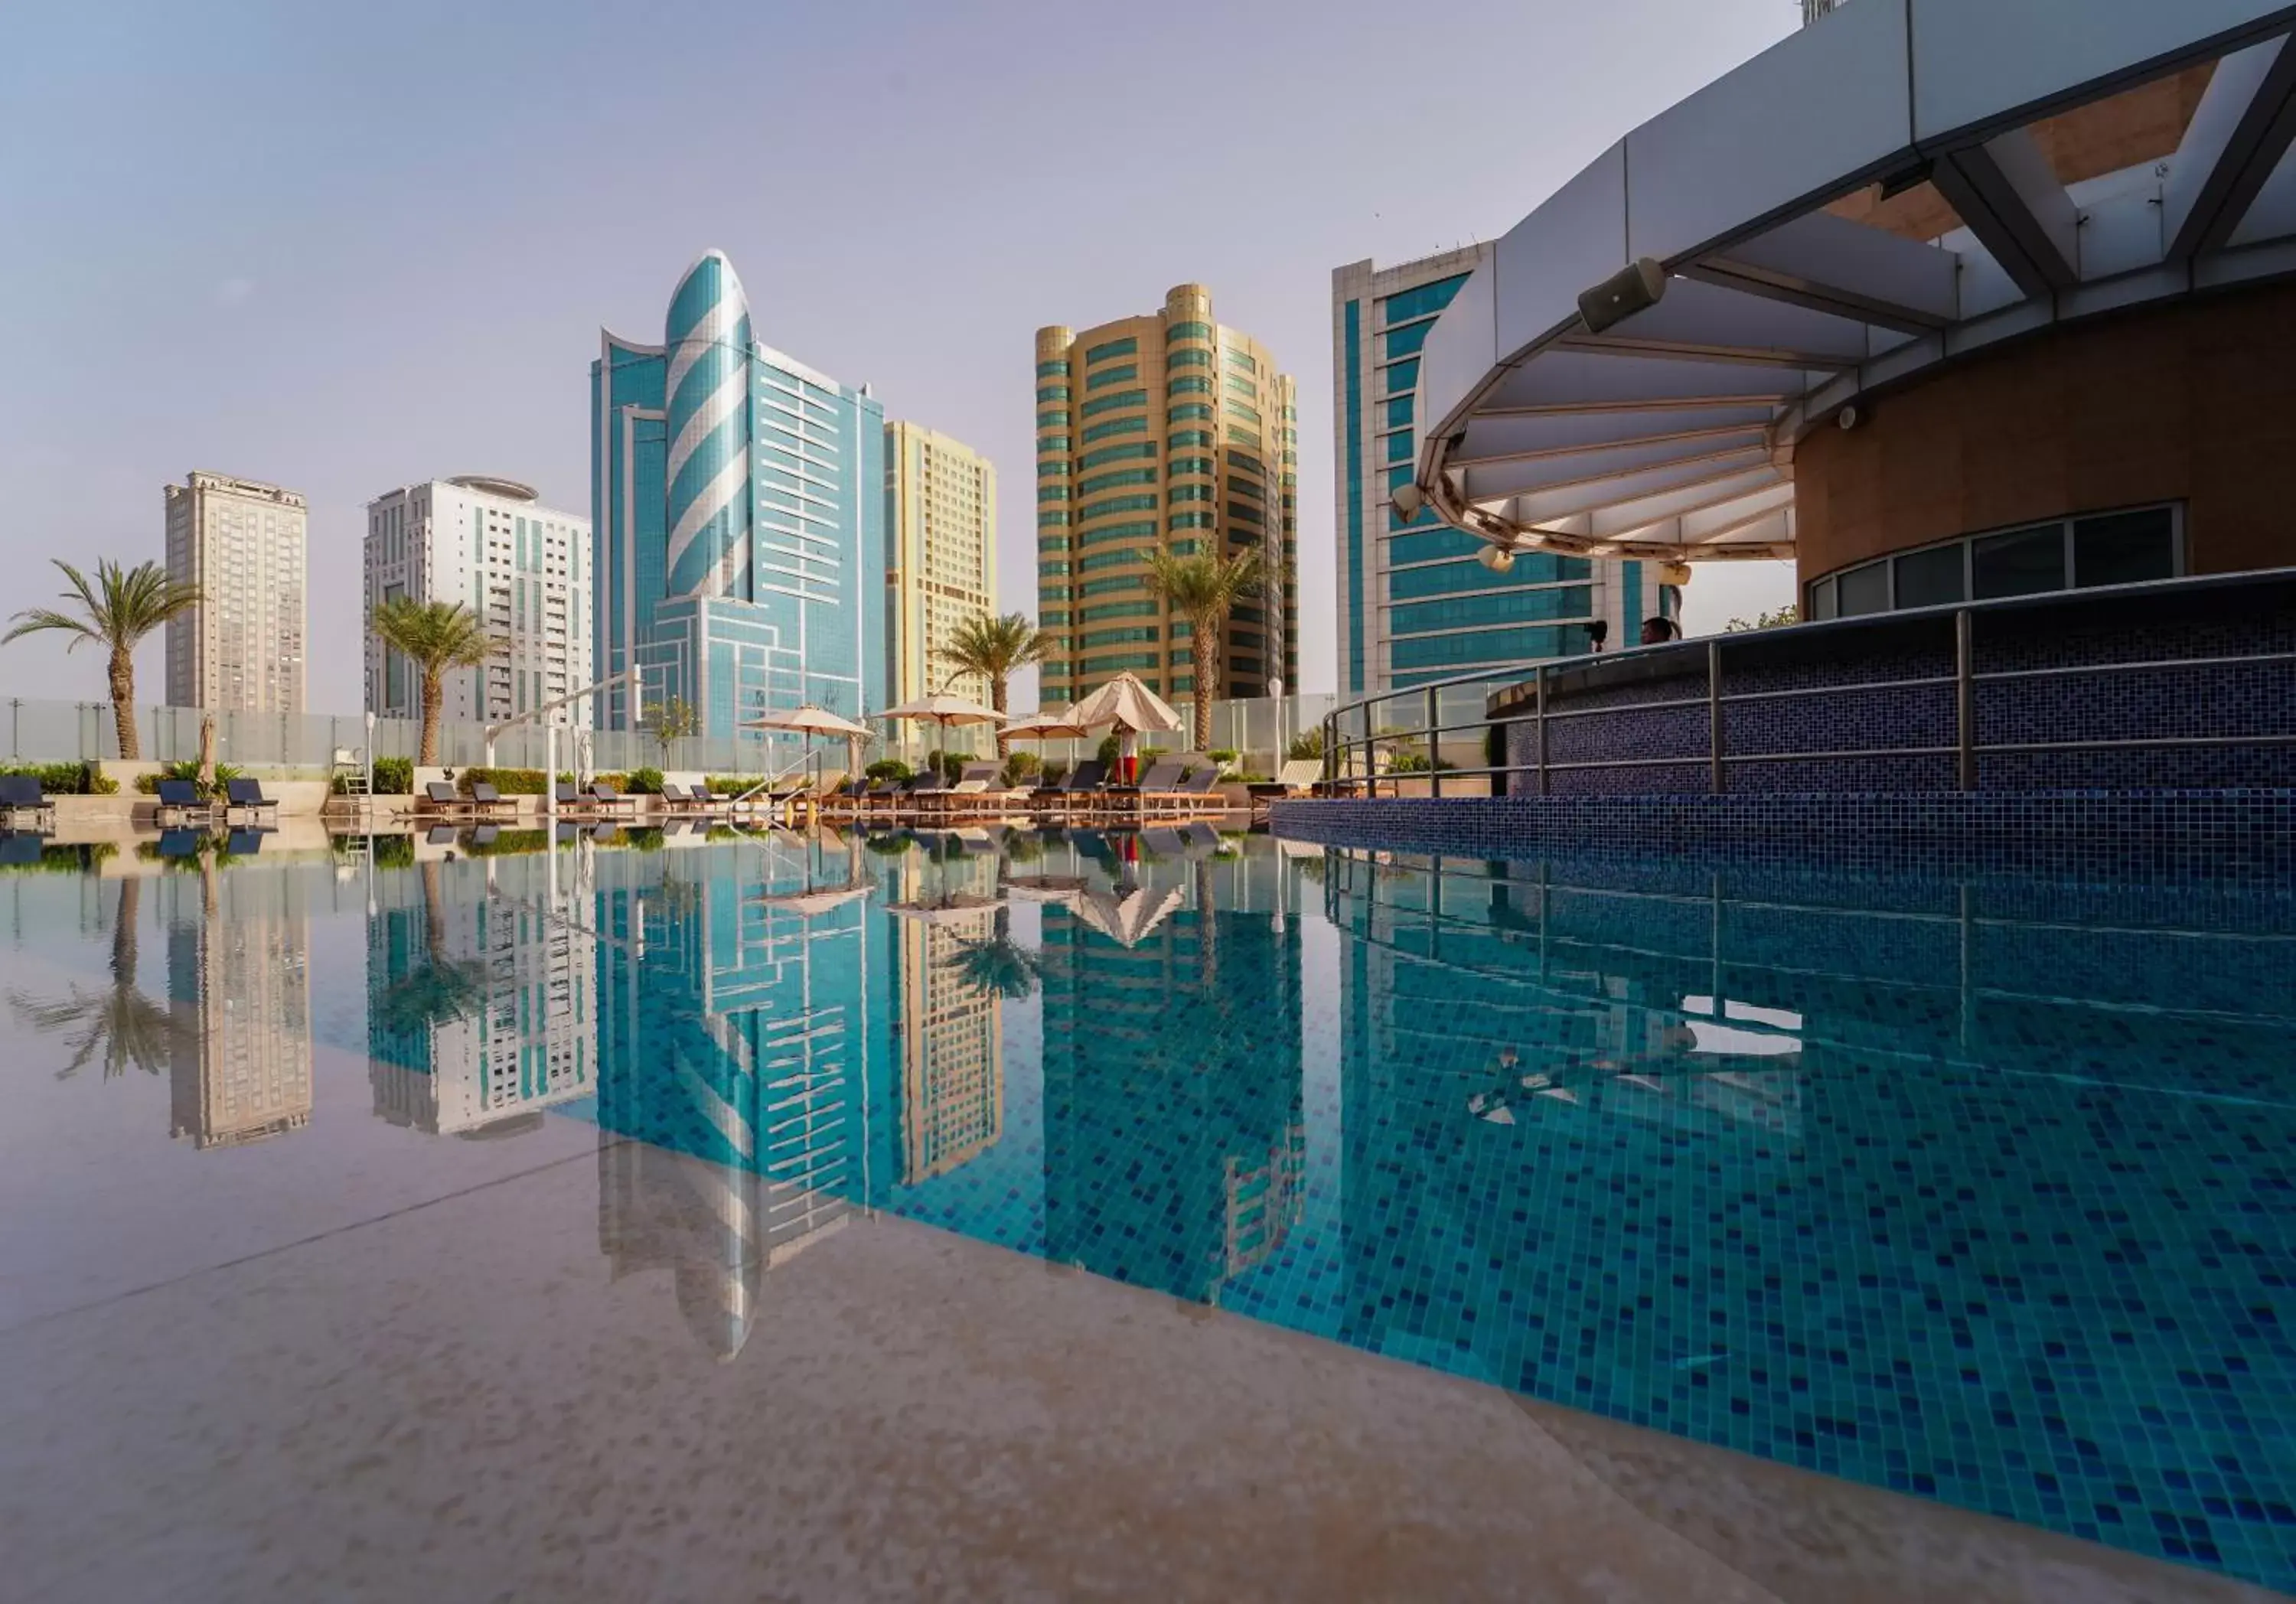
{"type": "Point", "coordinates": [737, 500]}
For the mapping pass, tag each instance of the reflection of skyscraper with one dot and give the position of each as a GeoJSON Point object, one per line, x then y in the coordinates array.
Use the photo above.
{"type": "Point", "coordinates": [950, 1032]}
{"type": "Point", "coordinates": [479, 1006]}
{"type": "Point", "coordinates": [239, 992]}
{"type": "Point", "coordinates": [1173, 1133]}
{"type": "Point", "coordinates": [731, 1047]}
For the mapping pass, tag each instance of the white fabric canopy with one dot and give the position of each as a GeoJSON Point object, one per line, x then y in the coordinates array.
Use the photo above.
{"type": "Point", "coordinates": [1125, 703]}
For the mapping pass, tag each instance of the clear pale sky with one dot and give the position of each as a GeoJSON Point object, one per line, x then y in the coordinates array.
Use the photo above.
{"type": "Point", "coordinates": [344, 247]}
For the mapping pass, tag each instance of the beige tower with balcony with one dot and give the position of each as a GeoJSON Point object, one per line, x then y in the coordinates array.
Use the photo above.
{"type": "Point", "coordinates": [940, 568]}
{"type": "Point", "coordinates": [1164, 432]}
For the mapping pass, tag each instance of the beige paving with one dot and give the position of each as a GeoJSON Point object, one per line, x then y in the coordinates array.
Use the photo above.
{"type": "Point", "coordinates": [462, 1401]}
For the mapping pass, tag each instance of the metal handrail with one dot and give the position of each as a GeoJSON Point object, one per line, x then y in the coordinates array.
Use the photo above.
{"type": "Point", "coordinates": [1351, 762]}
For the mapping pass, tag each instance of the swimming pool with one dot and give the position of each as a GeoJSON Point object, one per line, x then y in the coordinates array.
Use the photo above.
{"type": "Point", "coordinates": [1977, 1190]}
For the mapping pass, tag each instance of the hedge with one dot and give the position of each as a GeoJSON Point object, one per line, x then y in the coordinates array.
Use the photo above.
{"type": "Point", "coordinates": [509, 781]}
{"type": "Point", "coordinates": [67, 779]}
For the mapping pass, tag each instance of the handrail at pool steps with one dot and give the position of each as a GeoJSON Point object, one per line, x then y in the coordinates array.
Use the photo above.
{"type": "Point", "coordinates": [1355, 742]}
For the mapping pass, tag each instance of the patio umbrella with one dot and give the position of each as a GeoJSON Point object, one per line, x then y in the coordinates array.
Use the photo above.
{"type": "Point", "coordinates": [811, 721]}
{"type": "Point", "coordinates": [1129, 704]}
{"type": "Point", "coordinates": [1128, 917]}
{"type": "Point", "coordinates": [1048, 725]}
{"type": "Point", "coordinates": [945, 710]}
{"type": "Point", "coordinates": [953, 908]}
{"type": "Point", "coordinates": [207, 753]}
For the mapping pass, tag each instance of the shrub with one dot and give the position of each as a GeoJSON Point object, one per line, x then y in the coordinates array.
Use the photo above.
{"type": "Point", "coordinates": [889, 768]}
{"type": "Point", "coordinates": [189, 769]}
{"type": "Point", "coordinates": [66, 779]}
{"type": "Point", "coordinates": [509, 781]}
{"type": "Point", "coordinates": [1223, 756]}
{"type": "Point", "coordinates": [621, 782]}
{"type": "Point", "coordinates": [646, 782]}
{"type": "Point", "coordinates": [1251, 778]}
{"type": "Point", "coordinates": [66, 860]}
{"type": "Point", "coordinates": [394, 852]}
{"type": "Point", "coordinates": [1021, 768]}
{"type": "Point", "coordinates": [509, 843]}
{"type": "Point", "coordinates": [1110, 747]}
{"type": "Point", "coordinates": [1053, 772]}
{"type": "Point", "coordinates": [1408, 763]}
{"type": "Point", "coordinates": [732, 785]}
{"type": "Point", "coordinates": [1309, 744]}
{"type": "Point", "coordinates": [394, 776]}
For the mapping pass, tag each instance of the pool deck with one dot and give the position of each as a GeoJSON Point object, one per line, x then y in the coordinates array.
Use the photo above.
{"type": "Point", "coordinates": [447, 1395]}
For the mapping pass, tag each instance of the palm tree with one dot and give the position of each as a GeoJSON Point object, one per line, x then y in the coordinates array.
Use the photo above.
{"type": "Point", "coordinates": [1000, 966]}
{"type": "Point", "coordinates": [122, 606]}
{"type": "Point", "coordinates": [120, 1024]}
{"type": "Point", "coordinates": [439, 988]}
{"type": "Point", "coordinates": [996, 648]}
{"type": "Point", "coordinates": [436, 636]}
{"type": "Point", "coordinates": [1205, 589]}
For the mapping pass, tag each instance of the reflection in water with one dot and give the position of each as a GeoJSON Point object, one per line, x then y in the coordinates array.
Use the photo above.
{"type": "Point", "coordinates": [239, 992]}
{"type": "Point", "coordinates": [116, 1024]}
{"type": "Point", "coordinates": [1977, 1191]}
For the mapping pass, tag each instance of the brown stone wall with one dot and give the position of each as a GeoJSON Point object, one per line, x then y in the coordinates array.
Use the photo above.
{"type": "Point", "coordinates": [2193, 403]}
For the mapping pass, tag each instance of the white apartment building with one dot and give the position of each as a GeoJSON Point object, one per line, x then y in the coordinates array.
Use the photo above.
{"type": "Point", "coordinates": [522, 567]}
{"type": "Point", "coordinates": [240, 541]}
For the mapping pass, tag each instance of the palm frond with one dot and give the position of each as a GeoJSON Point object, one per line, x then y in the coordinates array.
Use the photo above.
{"type": "Point", "coordinates": [435, 635]}
{"type": "Point", "coordinates": [119, 607]}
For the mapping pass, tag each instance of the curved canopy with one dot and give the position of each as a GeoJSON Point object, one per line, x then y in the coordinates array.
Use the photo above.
{"type": "Point", "coordinates": [1125, 703]}
{"type": "Point", "coordinates": [1895, 188]}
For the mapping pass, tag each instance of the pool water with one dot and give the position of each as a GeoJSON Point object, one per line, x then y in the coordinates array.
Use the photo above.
{"type": "Point", "coordinates": [1978, 1190]}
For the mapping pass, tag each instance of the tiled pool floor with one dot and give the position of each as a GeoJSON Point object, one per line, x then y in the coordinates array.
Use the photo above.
{"type": "Point", "coordinates": [1149, 1218]}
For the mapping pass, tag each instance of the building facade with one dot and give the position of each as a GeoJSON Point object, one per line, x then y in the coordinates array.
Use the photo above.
{"type": "Point", "coordinates": [738, 501]}
{"type": "Point", "coordinates": [1164, 432]}
{"type": "Point", "coordinates": [241, 541]}
{"type": "Point", "coordinates": [521, 568]}
{"type": "Point", "coordinates": [1414, 603]}
{"type": "Point", "coordinates": [940, 562]}
{"type": "Point", "coordinates": [239, 1005]}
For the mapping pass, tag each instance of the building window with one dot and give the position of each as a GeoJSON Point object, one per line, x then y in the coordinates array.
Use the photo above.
{"type": "Point", "coordinates": [1405, 342]}
{"type": "Point", "coordinates": [1110, 481]}
{"type": "Point", "coordinates": [1052, 392]}
{"type": "Point", "coordinates": [1051, 493]}
{"type": "Point", "coordinates": [1101, 431]}
{"type": "Point", "coordinates": [2074, 554]}
{"type": "Point", "coordinates": [1420, 301]}
{"type": "Point", "coordinates": [1188, 412]}
{"type": "Point", "coordinates": [1403, 377]}
{"type": "Point", "coordinates": [1115, 403]}
{"type": "Point", "coordinates": [1188, 358]}
{"type": "Point", "coordinates": [1052, 419]}
{"type": "Point", "coordinates": [1054, 443]}
{"type": "Point", "coordinates": [1126, 347]}
{"type": "Point", "coordinates": [1187, 330]}
{"type": "Point", "coordinates": [1192, 384]}
{"type": "Point", "coordinates": [1240, 359]}
{"type": "Point", "coordinates": [1115, 503]}
{"type": "Point", "coordinates": [1186, 438]}
{"type": "Point", "coordinates": [1129, 453]}
{"type": "Point", "coordinates": [1057, 369]}
{"type": "Point", "coordinates": [1115, 376]}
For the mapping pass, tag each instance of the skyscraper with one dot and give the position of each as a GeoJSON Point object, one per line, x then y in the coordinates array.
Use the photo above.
{"type": "Point", "coordinates": [940, 524]}
{"type": "Point", "coordinates": [240, 541]}
{"type": "Point", "coordinates": [738, 501]}
{"type": "Point", "coordinates": [522, 569]}
{"type": "Point", "coordinates": [239, 995]}
{"type": "Point", "coordinates": [1415, 602]}
{"type": "Point", "coordinates": [1168, 431]}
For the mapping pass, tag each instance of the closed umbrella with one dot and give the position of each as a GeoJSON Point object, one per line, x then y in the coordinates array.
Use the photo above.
{"type": "Point", "coordinates": [1131, 708]}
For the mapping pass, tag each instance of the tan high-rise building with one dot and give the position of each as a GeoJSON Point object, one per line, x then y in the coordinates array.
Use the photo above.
{"type": "Point", "coordinates": [940, 562]}
{"type": "Point", "coordinates": [240, 541]}
{"type": "Point", "coordinates": [1165, 431]}
{"type": "Point", "coordinates": [952, 1046]}
{"type": "Point", "coordinates": [239, 993]}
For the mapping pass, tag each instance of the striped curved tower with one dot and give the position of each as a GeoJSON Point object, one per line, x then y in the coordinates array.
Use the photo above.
{"type": "Point", "coordinates": [737, 498]}
{"type": "Point", "coordinates": [707, 400]}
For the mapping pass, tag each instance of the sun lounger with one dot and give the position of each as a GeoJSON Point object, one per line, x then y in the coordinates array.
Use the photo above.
{"type": "Point", "coordinates": [20, 796]}
{"type": "Point", "coordinates": [1154, 790]}
{"type": "Point", "coordinates": [246, 797]}
{"type": "Point", "coordinates": [968, 793]}
{"type": "Point", "coordinates": [244, 842]}
{"type": "Point", "coordinates": [1083, 783]}
{"type": "Point", "coordinates": [177, 845]}
{"type": "Point", "coordinates": [1296, 778]}
{"type": "Point", "coordinates": [605, 799]}
{"type": "Point", "coordinates": [487, 800]}
{"type": "Point", "coordinates": [442, 800]}
{"type": "Point", "coordinates": [180, 802]}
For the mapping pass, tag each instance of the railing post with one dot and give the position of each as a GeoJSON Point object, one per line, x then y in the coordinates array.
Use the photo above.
{"type": "Point", "coordinates": [1541, 684]}
{"type": "Point", "coordinates": [1714, 712]}
{"type": "Point", "coordinates": [1964, 702]}
{"type": "Point", "coordinates": [1434, 719]}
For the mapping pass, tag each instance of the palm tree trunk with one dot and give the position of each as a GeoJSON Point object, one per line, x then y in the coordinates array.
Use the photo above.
{"type": "Point", "coordinates": [997, 689]}
{"type": "Point", "coordinates": [123, 703]}
{"type": "Point", "coordinates": [1207, 648]}
{"type": "Point", "coordinates": [123, 933]}
{"type": "Point", "coordinates": [434, 702]}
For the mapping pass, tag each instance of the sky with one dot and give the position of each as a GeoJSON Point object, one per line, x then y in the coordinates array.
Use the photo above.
{"type": "Point", "coordinates": [344, 248]}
